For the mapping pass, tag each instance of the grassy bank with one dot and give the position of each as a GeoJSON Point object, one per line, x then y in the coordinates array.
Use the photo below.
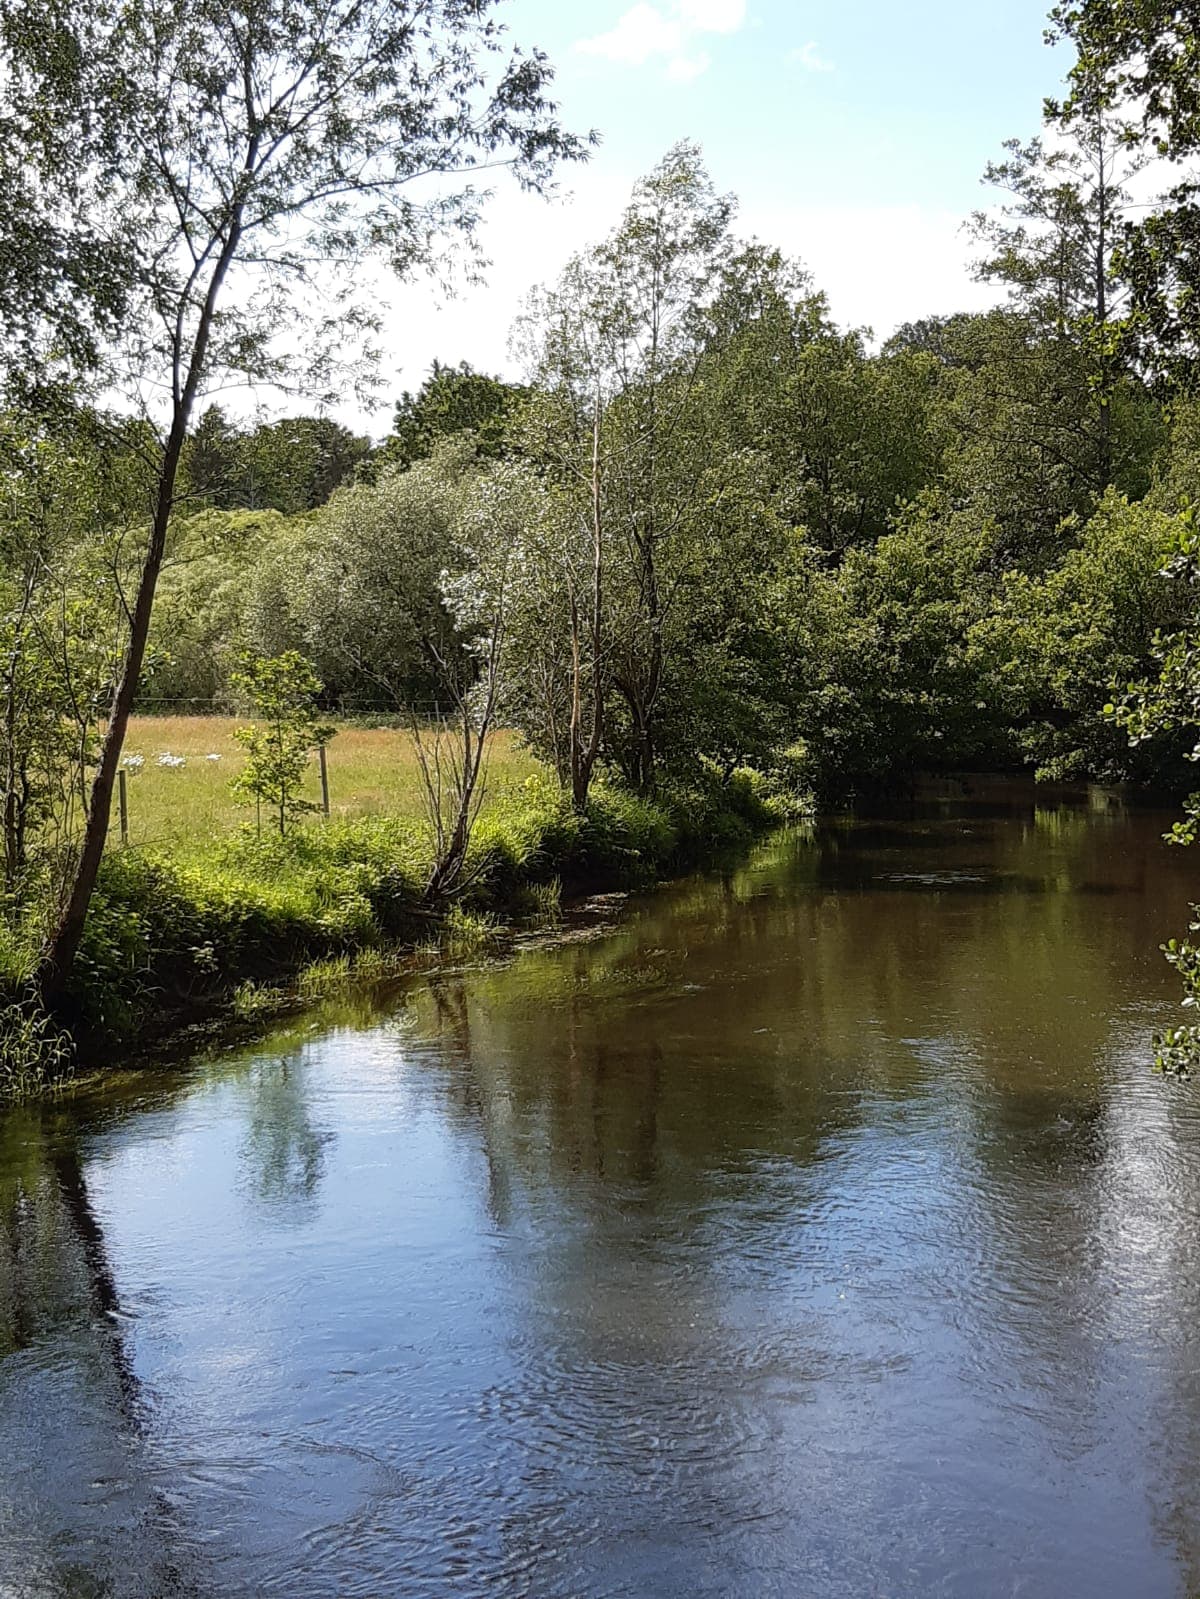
{"type": "Point", "coordinates": [229, 930]}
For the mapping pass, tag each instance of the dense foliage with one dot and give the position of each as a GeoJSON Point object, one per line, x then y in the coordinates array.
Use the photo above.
{"type": "Point", "coordinates": [231, 166]}
{"type": "Point", "coordinates": [733, 534]}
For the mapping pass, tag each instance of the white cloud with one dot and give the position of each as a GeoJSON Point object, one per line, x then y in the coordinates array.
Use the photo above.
{"type": "Point", "coordinates": [666, 32]}
{"type": "Point", "coordinates": [682, 69]}
{"type": "Point", "coordinates": [810, 58]}
{"type": "Point", "coordinates": [641, 33]}
{"type": "Point", "coordinates": [713, 16]}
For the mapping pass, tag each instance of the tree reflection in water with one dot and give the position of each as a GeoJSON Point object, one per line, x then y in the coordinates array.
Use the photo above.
{"type": "Point", "coordinates": [283, 1153]}
{"type": "Point", "coordinates": [87, 1440]}
{"type": "Point", "coordinates": [821, 1218]}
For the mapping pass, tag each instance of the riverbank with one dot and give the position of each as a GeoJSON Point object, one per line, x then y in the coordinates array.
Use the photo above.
{"type": "Point", "coordinates": [235, 932]}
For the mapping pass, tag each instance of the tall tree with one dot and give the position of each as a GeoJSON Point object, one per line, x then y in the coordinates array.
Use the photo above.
{"type": "Point", "coordinates": [846, 434]}
{"type": "Point", "coordinates": [617, 344]}
{"type": "Point", "coordinates": [265, 147]}
{"type": "Point", "coordinates": [1054, 244]}
{"type": "Point", "coordinates": [1139, 62]}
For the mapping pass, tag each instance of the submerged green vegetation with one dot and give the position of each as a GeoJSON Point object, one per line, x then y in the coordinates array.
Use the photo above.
{"type": "Point", "coordinates": [714, 559]}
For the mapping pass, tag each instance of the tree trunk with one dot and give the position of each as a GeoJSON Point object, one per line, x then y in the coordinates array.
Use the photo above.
{"type": "Point", "coordinates": [54, 971]}
{"type": "Point", "coordinates": [584, 755]}
{"type": "Point", "coordinates": [452, 858]}
{"type": "Point", "coordinates": [59, 960]}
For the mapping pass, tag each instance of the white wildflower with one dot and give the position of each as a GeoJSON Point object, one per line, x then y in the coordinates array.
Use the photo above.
{"type": "Point", "coordinates": [212, 757]}
{"type": "Point", "coordinates": [134, 763]}
{"type": "Point", "coordinates": [173, 761]}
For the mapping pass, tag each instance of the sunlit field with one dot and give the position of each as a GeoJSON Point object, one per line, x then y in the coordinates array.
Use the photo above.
{"type": "Point", "coordinates": [371, 770]}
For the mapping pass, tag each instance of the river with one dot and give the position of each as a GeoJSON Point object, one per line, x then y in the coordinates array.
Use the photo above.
{"type": "Point", "coordinates": [812, 1228]}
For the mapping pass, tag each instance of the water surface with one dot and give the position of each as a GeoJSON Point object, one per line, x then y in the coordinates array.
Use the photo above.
{"type": "Point", "coordinates": [819, 1229]}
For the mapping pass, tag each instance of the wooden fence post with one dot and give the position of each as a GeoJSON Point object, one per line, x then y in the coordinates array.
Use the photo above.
{"type": "Point", "coordinates": [123, 791]}
{"type": "Point", "coordinates": [324, 780]}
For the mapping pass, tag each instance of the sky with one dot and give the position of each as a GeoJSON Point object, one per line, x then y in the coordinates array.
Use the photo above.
{"type": "Point", "coordinates": [853, 132]}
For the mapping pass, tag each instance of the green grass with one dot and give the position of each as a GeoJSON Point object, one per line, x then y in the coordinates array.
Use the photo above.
{"type": "Point", "coordinates": [372, 772]}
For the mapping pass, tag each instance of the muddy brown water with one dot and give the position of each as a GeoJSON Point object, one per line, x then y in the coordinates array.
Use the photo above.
{"type": "Point", "coordinates": [817, 1229]}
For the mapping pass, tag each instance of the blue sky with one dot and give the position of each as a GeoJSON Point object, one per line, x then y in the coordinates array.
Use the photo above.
{"type": "Point", "coordinates": [804, 99]}
{"type": "Point", "coordinates": [854, 135]}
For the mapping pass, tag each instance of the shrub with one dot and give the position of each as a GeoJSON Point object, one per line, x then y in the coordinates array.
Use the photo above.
{"type": "Point", "coordinates": [34, 1052]}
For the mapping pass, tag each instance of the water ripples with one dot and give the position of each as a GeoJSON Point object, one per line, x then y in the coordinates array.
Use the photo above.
{"type": "Point", "coordinates": [797, 1235]}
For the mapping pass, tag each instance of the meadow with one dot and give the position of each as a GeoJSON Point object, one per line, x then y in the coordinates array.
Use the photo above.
{"type": "Point", "coordinates": [373, 771]}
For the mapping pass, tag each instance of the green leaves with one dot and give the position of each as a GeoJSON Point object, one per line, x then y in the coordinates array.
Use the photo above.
{"type": "Point", "coordinates": [1136, 63]}
{"type": "Point", "coordinates": [289, 466]}
{"type": "Point", "coordinates": [452, 401]}
{"type": "Point", "coordinates": [152, 150]}
{"type": "Point", "coordinates": [283, 692]}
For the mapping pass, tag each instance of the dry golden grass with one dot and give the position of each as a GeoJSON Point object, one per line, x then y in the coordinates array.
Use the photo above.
{"type": "Point", "coordinates": [371, 771]}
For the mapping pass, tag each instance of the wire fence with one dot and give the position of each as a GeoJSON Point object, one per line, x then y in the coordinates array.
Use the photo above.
{"type": "Point", "coordinates": [346, 707]}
